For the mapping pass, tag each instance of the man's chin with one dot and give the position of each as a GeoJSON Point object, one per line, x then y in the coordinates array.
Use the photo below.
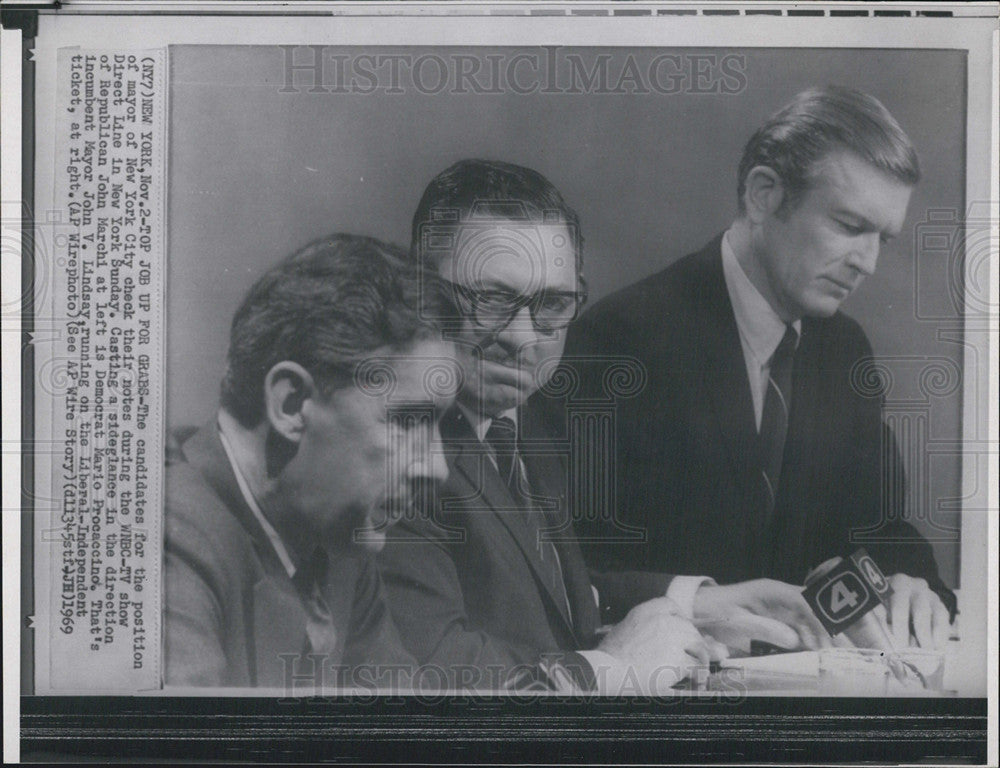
{"type": "Point", "coordinates": [371, 537]}
{"type": "Point", "coordinates": [823, 299]}
{"type": "Point", "coordinates": [364, 536]}
{"type": "Point", "coordinates": [826, 307]}
{"type": "Point", "coordinates": [369, 542]}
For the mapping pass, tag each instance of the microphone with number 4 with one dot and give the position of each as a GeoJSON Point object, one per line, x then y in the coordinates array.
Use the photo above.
{"type": "Point", "coordinates": [843, 593]}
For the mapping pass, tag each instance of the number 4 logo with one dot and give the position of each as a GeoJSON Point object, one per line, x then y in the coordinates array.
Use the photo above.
{"type": "Point", "coordinates": [874, 574]}
{"type": "Point", "coordinates": [841, 599]}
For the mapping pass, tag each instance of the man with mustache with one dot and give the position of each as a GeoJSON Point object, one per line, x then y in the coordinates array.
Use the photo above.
{"type": "Point", "coordinates": [493, 578]}
{"type": "Point", "coordinates": [326, 433]}
{"type": "Point", "coordinates": [752, 452]}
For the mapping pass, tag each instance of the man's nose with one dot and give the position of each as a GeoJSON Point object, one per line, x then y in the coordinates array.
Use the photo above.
{"type": "Point", "coordinates": [520, 330]}
{"type": "Point", "coordinates": [864, 256]}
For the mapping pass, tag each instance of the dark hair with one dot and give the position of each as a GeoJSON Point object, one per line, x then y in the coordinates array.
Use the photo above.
{"type": "Point", "coordinates": [327, 308]}
{"type": "Point", "coordinates": [492, 188]}
{"type": "Point", "coordinates": [819, 121]}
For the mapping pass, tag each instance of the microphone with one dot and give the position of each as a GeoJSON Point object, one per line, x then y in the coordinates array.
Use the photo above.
{"type": "Point", "coordinates": [843, 593]}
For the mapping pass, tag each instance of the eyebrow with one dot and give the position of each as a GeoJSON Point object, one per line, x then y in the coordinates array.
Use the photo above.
{"type": "Point", "coordinates": [492, 285]}
{"type": "Point", "coordinates": [865, 222]}
{"type": "Point", "coordinates": [860, 218]}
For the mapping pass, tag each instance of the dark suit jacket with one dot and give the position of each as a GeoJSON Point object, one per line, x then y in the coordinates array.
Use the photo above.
{"type": "Point", "coordinates": [465, 583]}
{"type": "Point", "coordinates": [688, 463]}
{"type": "Point", "coordinates": [231, 611]}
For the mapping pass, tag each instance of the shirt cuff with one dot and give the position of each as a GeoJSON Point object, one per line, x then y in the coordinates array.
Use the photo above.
{"type": "Point", "coordinates": [569, 673]}
{"type": "Point", "coordinates": [601, 663]}
{"type": "Point", "coordinates": [682, 590]}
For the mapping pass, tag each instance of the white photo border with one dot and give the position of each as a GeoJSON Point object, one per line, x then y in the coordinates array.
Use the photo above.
{"type": "Point", "coordinates": [57, 30]}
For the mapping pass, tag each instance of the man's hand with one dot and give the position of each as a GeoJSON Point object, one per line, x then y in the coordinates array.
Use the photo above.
{"type": "Point", "coordinates": [762, 609]}
{"type": "Point", "coordinates": [657, 648]}
{"type": "Point", "coordinates": [915, 605]}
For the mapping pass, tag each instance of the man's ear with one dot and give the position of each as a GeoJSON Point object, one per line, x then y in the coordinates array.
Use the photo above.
{"type": "Point", "coordinates": [763, 194]}
{"type": "Point", "coordinates": [287, 387]}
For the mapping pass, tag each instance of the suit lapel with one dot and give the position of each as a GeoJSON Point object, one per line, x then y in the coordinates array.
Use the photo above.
{"type": "Point", "coordinates": [547, 474]}
{"type": "Point", "coordinates": [472, 462]}
{"type": "Point", "coordinates": [281, 623]}
{"type": "Point", "coordinates": [279, 630]}
{"type": "Point", "coordinates": [278, 618]}
{"type": "Point", "coordinates": [725, 381]}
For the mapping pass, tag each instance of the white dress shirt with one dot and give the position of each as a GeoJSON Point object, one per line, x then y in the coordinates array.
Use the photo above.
{"type": "Point", "coordinates": [760, 327]}
{"type": "Point", "coordinates": [323, 635]}
{"type": "Point", "coordinates": [279, 546]}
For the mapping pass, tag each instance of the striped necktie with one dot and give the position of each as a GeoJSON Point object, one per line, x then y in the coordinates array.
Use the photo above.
{"type": "Point", "coordinates": [774, 420]}
{"type": "Point", "coordinates": [502, 438]}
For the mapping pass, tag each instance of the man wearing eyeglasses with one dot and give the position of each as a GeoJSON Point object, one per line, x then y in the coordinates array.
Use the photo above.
{"type": "Point", "coordinates": [491, 577]}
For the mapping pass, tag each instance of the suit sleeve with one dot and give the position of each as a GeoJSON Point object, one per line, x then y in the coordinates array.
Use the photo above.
{"type": "Point", "coordinates": [904, 549]}
{"type": "Point", "coordinates": [374, 652]}
{"type": "Point", "coordinates": [599, 338]}
{"type": "Point", "coordinates": [882, 514]}
{"type": "Point", "coordinates": [596, 340]}
{"type": "Point", "coordinates": [620, 591]}
{"type": "Point", "coordinates": [426, 600]}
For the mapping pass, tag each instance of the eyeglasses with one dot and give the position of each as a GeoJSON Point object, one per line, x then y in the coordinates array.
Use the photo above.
{"type": "Point", "coordinates": [493, 310]}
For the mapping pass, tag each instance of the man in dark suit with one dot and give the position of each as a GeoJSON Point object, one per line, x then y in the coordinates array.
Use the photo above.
{"type": "Point", "coordinates": [493, 578]}
{"type": "Point", "coordinates": [754, 448]}
{"type": "Point", "coordinates": [327, 435]}
{"type": "Point", "coordinates": [274, 508]}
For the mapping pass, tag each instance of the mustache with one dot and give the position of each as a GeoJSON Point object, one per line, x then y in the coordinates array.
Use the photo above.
{"type": "Point", "coordinates": [511, 361]}
{"type": "Point", "coordinates": [501, 354]}
{"type": "Point", "coordinates": [494, 342]}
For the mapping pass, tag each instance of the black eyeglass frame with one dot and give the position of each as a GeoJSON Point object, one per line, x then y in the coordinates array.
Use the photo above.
{"type": "Point", "coordinates": [470, 300]}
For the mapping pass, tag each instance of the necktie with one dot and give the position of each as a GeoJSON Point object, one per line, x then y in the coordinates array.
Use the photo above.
{"type": "Point", "coordinates": [502, 437]}
{"type": "Point", "coordinates": [310, 580]}
{"type": "Point", "coordinates": [774, 420]}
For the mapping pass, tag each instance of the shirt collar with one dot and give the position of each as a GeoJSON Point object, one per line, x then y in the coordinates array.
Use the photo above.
{"type": "Point", "coordinates": [760, 326]}
{"type": "Point", "coordinates": [279, 546]}
{"type": "Point", "coordinates": [481, 424]}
